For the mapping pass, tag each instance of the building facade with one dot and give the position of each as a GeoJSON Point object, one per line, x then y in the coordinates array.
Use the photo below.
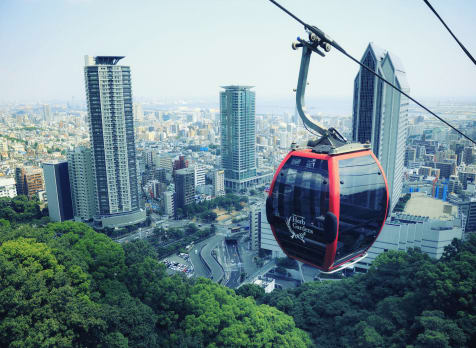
{"type": "Point", "coordinates": [267, 240]}
{"type": "Point", "coordinates": [168, 201]}
{"type": "Point", "coordinates": [238, 137]}
{"type": "Point", "coordinates": [7, 187]}
{"type": "Point", "coordinates": [29, 181]}
{"type": "Point", "coordinates": [430, 236]}
{"type": "Point", "coordinates": [199, 172]}
{"type": "Point", "coordinates": [184, 187]}
{"type": "Point", "coordinates": [255, 221]}
{"type": "Point", "coordinates": [219, 183]}
{"type": "Point", "coordinates": [380, 114]}
{"type": "Point", "coordinates": [111, 131]}
{"type": "Point", "coordinates": [58, 191]}
{"type": "Point", "coordinates": [81, 178]}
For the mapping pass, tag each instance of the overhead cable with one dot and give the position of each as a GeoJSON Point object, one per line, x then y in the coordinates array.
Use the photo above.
{"type": "Point", "coordinates": [449, 30]}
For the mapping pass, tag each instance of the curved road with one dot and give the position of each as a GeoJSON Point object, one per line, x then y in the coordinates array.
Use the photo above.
{"type": "Point", "coordinates": [205, 248]}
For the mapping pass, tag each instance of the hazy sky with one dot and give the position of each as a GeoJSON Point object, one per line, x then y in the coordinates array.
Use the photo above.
{"type": "Point", "coordinates": [181, 49]}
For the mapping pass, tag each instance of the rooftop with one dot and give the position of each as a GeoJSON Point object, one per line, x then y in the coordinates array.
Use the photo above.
{"type": "Point", "coordinates": [237, 87]}
{"type": "Point", "coordinates": [109, 60]}
{"type": "Point", "coordinates": [422, 205]}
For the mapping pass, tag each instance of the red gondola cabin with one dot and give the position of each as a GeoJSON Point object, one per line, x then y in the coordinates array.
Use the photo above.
{"type": "Point", "coordinates": [327, 210]}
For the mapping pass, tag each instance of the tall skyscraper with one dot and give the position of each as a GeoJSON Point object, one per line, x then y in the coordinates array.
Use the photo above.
{"type": "Point", "coordinates": [111, 131]}
{"type": "Point", "coordinates": [60, 206]}
{"type": "Point", "coordinates": [380, 114]}
{"type": "Point", "coordinates": [81, 178]}
{"type": "Point", "coordinates": [46, 112]}
{"type": "Point", "coordinates": [238, 138]}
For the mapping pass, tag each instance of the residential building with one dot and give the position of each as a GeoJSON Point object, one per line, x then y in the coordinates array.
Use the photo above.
{"type": "Point", "coordinates": [468, 155]}
{"type": "Point", "coordinates": [199, 175]}
{"type": "Point", "coordinates": [58, 191]}
{"type": "Point", "coordinates": [255, 217]}
{"type": "Point", "coordinates": [7, 187]}
{"type": "Point", "coordinates": [111, 132]}
{"type": "Point", "coordinates": [380, 114]}
{"type": "Point", "coordinates": [81, 178]}
{"type": "Point", "coordinates": [168, 200]}
{"type": "Point", "coordinates": [238, 137]}
{"type": "Point", "coordinates": [180, 163]}
{"type": "Point", "coordinates": [410, 155]}
{"type": "Point", "coordinates": [184, 187]}
{"type": "Point", "coordinates": [219, 183]}
{"type": "Point", "coordinates": [29, 181]}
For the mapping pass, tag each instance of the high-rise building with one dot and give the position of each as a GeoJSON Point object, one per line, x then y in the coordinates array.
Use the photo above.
{"type": "Point", "coordinates": [7, 187]}
{"type": "Point", "coordinates": [168, 200]}
{"type": "Point", "coordinates": [184, 187]}
{"type": "Point", "coordinates": [46, 112]}
{"type": "Point", "coordinates": [111, 131]}
{"type": "Point", "coordinates": [199, 172]}
{"type": "Point", "coordinates": [58, 191]}
{"type": "Point", "coordinates": [266, 239]}
{"type": "Point", "coordinates": [180, 163]}
{"type": "Point", "coordinates": [81, 178]}
{"type": "Point", "coordinates": [410, 155]}
{"type": "Point", "coordinates": [468, 155]}
{"type": "Point", "coordinates": [29, 181]}
{"type": "Point", "coordinates": [255, 217]}
{"type": "Point", "coordinates": [219, 183]}
{"type": "Point", "coordinates": [446, 167]}
{"type": "Point", "coordinates": [380, 114]}
{"type": "Point", "coordinates": [238, 136]}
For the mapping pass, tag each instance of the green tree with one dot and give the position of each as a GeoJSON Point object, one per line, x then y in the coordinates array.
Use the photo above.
{"type": "Point", "coordinates": [253, 290]}
{"type": "Point", "coordinates": [42, 303]}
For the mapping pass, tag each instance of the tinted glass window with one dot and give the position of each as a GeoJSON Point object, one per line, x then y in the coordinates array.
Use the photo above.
{"type": "Point", "coordinates": [363, 202]}
{"type": "Point", "coordinates": [299, 201]}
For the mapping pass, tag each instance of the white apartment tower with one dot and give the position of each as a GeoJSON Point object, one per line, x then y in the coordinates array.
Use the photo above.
{"type": "Point", "coordinates": [219, 183]}
{"type": "Point", "coordinates": [81, 178]}
{"type": "Point", "coordinates": [111, 131]}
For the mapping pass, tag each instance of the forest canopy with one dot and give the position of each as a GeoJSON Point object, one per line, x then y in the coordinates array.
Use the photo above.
{"type": "Point", "coordinates": [63, 284]}
{"type": "Point", "coordinates": [67, 285]}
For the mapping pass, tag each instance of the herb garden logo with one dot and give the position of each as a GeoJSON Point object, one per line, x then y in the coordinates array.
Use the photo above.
{"type": "Point", "coordinates": [297, 226]}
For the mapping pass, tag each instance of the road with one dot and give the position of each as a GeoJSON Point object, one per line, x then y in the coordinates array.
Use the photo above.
{"type": "Point", "coordinates": [262, 271]}
{"type": "Point", "coordinates": [233, 265]}
{"type": "Point", "coordinates": [141, 233]}
{"type": "Point", "coordinates": [204, 249]}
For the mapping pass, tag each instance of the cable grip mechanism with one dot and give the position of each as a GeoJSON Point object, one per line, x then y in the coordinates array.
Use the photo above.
{"type": "Point", "coordinates": [331, 136]}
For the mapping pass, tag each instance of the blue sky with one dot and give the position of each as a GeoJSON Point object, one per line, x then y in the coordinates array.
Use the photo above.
{"type": "Point", "coordinates": [182, 49]}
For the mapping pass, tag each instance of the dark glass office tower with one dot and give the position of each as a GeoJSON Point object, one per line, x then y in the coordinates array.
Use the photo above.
{"type": "Point", "coordinates": [111, 130]}
{"type": "Point", "coordinates": [380, 114]}
{"type": "Point", "coordinates": [60, 206]}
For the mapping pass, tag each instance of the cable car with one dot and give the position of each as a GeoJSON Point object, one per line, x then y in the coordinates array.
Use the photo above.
{"type": "Point", "coordinates": [328, 202]}
{"type": "Point", "coordinates": [327, 209]}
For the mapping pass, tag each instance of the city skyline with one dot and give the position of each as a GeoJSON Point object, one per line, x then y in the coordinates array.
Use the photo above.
{"type": "Point", "coordinates": [188, 61]}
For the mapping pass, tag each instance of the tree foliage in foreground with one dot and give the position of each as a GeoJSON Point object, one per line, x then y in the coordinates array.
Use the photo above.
{"type": "Point", "coordinates": [65, 285]}
{"type": "Point", "coordinates": [405, 300]}
{"type": "Point", "coordinates": [19, 209]}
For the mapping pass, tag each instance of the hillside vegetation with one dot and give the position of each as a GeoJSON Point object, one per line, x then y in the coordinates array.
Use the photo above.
{"type": "Point", "coordinates": [65, 285]}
